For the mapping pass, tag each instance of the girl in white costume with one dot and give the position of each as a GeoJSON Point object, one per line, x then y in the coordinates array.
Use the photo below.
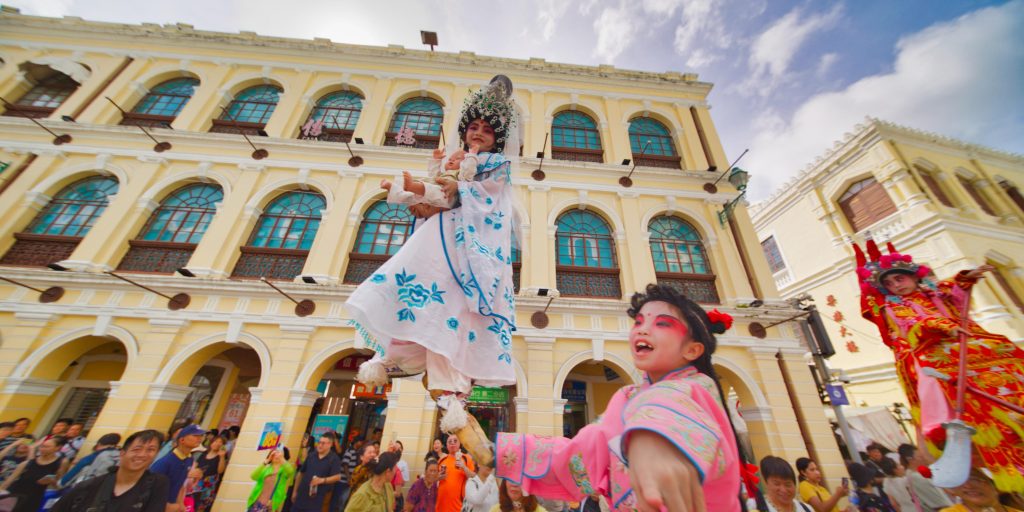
{"type": "Point", "coordinates": [445, 303]}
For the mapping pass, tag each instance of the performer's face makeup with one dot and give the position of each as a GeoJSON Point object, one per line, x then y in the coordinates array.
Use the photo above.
{"type": "Point", "coordinates": [900, 284]}
{"type": "Point", "coordinates": [479, 132]}
{"type": "Point", "coordinates": [660, 340]}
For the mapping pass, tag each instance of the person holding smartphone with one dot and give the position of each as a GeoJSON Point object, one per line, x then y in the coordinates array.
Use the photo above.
{"type": "Point", "coordinates": [813, 493]}
{"type": "Point", "coordinates": [273, 479]}
{"type": "Point", "coordinates": [456, 469]}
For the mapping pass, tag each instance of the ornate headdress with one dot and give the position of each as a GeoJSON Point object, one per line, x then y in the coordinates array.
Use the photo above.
{"type": "Point", "coordinates": [871, 272]}
{"type": "Point", "coordinates": [493, 104]}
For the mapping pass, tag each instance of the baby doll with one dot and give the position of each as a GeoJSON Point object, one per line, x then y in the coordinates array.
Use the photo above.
{"type": "Point", "coordinates": [460, 166]}
{"type": "Point", "coordinates": [666, 443]}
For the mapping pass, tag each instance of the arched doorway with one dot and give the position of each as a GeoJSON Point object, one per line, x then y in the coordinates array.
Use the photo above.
{"type": "Point", "coordinates": [587, 389]}
{"type": "Point", "coordinates": [346, 406]}
{"type": "Point", "coordinates": [81, 372]}
{"type": "Point", "coordinates": [219, 397]}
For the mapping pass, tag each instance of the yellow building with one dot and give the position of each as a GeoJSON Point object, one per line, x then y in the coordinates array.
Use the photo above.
{"type": "Point", "coordinates": [950, 204]}
{"type": "Point", "coordinates": [296, 208]}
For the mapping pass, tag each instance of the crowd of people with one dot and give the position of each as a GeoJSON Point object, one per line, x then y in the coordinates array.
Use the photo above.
{"type": "Point", "coordinates": [885, 482]}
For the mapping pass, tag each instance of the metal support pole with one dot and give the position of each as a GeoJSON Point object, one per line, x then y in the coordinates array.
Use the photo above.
{"type": "Point", "coordinates": [823, 373]}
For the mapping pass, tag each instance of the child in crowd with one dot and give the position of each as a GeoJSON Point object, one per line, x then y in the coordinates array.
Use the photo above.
{"type": "Point", "coordinates": [669, 436]}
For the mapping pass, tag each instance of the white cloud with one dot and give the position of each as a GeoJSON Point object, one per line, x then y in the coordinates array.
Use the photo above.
{"type": "Point", "coordinates": [549, 12]}
{"type": "Point", "coordinates": [54, 8]}
{"type": "Point", "coordinates": [773, 50]}
{"type": "Point", "coordinates": [615, 29]}
{"type": "Point", "coordinates": [959, 78]}
{"type": "Point", "coordinates": [702, 32]}
{"type": "Point", "coordinates": [825, 64]}
{"type": "Point", "coordinates": [662, 8]}
{"type": "Point", "coordinates": [586, 6]}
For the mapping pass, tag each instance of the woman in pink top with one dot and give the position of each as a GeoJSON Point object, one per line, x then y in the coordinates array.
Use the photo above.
{"type": "Point", "coordinates": [665, 444]}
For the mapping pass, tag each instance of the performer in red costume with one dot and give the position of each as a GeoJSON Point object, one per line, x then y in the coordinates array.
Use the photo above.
{"type": "Point", "coordinates": [921, 321]}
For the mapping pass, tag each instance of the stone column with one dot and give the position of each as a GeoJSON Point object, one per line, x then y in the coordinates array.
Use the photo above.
{"type": "Point", "coordinates": [540, 367]}
{"type": "Point", "coordinates": [538, 267]}
{"type": "Point", "coordinates": [377, 111]}
{"type": "Point", "coordinates": [637, 246]}
{"type": "Point", "coordinates": [778, 434]}
{"type": "Point", "coordinates": [693, 153]}
{"type": "Point", "coordinates": [829, 458]}
{"type": "Point", "coordinates": [31, 202]}
{"type": "Point", "coordinates": [204, 106]}
{"type": "Point", "coordinates": [331, 247]}
{"type": "Point", "coordinates": [615, 133]}
{"type": "Point", "coordinates": [285, 121]}
{"type": "Point", "coordinates": [108, 238]}
{"type": "Point", "coordinates": [228, 229]}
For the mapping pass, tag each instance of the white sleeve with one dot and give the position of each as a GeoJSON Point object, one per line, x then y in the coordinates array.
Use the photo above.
{"type": "Point", "coordinates": [475, 491]}
{"type": "Point", "coordinates": [467, 169]}
{"type": "Point", "coordinates": [434, 168]}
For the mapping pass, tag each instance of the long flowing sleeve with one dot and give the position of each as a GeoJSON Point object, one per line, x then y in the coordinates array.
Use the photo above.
{"type": "Point", "coordinates": [687, 415]}
{"type": "Point", "coordinates": [682, 411]}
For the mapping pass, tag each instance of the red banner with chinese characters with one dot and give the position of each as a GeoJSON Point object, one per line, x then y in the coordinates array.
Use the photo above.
{"type": "Point", "coordinates": [360, 390]}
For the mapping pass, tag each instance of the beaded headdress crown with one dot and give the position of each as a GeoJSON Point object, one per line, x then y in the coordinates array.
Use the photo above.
{"type": "Point", "coordinates": [492, 103]}
{"type": "Point", "coordinates": [871, 271]}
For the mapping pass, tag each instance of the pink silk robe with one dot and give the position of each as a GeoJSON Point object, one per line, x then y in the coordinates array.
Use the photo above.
{"type": "Point", "coordinates": [682, 407]}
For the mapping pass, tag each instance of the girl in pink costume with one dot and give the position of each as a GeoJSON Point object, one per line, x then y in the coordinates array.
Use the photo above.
{"type": "Point", "coordinates": [665, 444]}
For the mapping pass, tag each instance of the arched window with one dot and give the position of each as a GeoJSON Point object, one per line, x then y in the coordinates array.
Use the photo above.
{"type": "Point", "coordinates": [865, 203]}
{"type": "Point", "coordinates": [574, 136]}
{"type": "Point", "coordinates": [170, 236]}
{"type": "Point", "coordinates": [976, 194]}
{"type": "Point", "coordinates": [423, 116]}
{"type": "Point", "coordinates": [162, 104]}
{"type": "Point", "coordinates": [934, 186]}
{"type": "Point", "coordinates": [680, 260]}
{"type": "Point", "coordinates": [58, 229]}
{"type": "Point", "coordinates": [384, 230]}
{"type": "Point", "coordinates": [653, 140]}
{"type": "Point", "coordinates": [50, 89]}
{"type": "Point", "coordinates": [334, 117]}
{"type": "Point", "coordinates": [1004, 277]}
{"type": "Point", "coordinates": [587, 265]}
{"type": "Point", "coordinates": [279, 244]}
{"type": "Point", "coordinates": [1014, 193]}
{"type": "Point", "coordinates": [249, 112]}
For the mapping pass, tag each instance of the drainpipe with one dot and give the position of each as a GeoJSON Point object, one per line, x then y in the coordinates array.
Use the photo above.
{"type": "Point", "coordinates": [797, 411]}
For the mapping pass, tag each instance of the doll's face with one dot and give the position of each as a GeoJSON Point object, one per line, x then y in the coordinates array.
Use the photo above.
{"type": "Point", "coordinates": [479, 132]}
{"type": "Point", "coordinates": [455, 161]}
{"type": "Point", "coordinates": [900, 284]}
{"type": "Point", "coordinates": [660, 340]}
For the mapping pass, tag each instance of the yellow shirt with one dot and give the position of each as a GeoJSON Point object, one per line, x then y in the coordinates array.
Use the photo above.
{"type": "Point", "coordinates": [961, 508]}
{"type": "Point", "coordinates": [808, 490]}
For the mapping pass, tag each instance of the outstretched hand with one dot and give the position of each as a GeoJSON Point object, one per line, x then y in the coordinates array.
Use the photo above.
{"type": "Point", "coordinates": [980, 271]}
{"type": "Point", "coordinates": [661, 477]}
{"type": "Point", "coordinates": [438, 154]}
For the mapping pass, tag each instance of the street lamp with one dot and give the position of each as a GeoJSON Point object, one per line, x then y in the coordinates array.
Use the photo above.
{"type": "Point", "coordinates": [738, 178]}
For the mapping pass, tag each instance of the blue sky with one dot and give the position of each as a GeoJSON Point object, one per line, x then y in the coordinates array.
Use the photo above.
{"type": "Point", "coordinates": [790, 77]}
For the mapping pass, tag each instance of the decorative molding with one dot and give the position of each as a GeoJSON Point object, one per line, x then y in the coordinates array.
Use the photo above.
{"type": "Point", "coordinates": [171, 392]}
{"type": "Point", "coordinates": [303, 397]}
{"type": "Point", "coordinates": [30, 386]}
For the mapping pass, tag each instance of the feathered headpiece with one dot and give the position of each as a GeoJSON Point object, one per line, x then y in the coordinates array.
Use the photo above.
{"type": "Point", "coordinates": [493, 104]}
{"type": "Point", "coordinates": [872, 271]}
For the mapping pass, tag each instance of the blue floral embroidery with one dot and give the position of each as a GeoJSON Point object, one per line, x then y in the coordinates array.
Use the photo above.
{"type": "Point", "coordinates": [505, 356]}
{"type": "Point", "coordinates": [497, 254]}
{"type": "Point", "coordinates": [415, 295]}
{"type": "Point", "coordinates": [496, 326]}
{"type": "Point", "coordinates": [453, 323]}
{"type": "Point", "coordinates": [472, 336]}
{"type": "Point", "coordinates": [489, 201]}
{"type": "Point", "coordinates": [471, 228]}
{"type": "Point", "coordinates": [378, 278]}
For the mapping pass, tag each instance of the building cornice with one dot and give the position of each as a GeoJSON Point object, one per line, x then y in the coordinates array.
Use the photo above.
{"type": "Point", "coordinates": [187, 37]}
{"type": "Point", "coordinates": [866, 135]}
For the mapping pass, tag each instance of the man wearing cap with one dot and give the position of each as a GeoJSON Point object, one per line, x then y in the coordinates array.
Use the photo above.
{"type": "Point", "coordinates": [178, 466]}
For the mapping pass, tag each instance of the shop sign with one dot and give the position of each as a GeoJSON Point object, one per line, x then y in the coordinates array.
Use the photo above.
{"type": "Point", "coordinates": [361, 390]}
{"type": "Point", "coordinates": [574, 391]}
{"type": "Point", "coordinates": [234, 413]}
{"type": "Point", "coordinates": [489, 395]}
{"type": "Point", "coordinates": [271, 436]}
{"type": "Point", "coordinates": [329, 423]}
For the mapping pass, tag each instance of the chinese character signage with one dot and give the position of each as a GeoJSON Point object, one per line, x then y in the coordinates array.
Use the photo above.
{"type": "Point", "coordinates": [489, 395]}
{"type": "Point", "coordinates": [360, 390]}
